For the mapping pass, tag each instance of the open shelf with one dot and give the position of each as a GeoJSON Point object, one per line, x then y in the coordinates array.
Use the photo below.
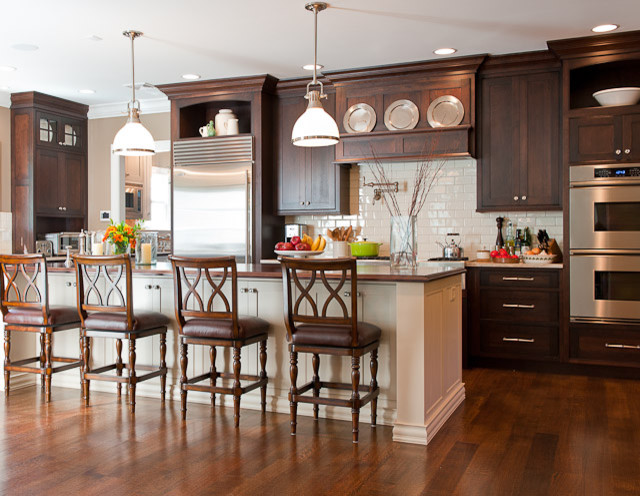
{"type": "Point", "coordinates": [586, 80]}
{"type": "Point", "coordinates": [192, 117]}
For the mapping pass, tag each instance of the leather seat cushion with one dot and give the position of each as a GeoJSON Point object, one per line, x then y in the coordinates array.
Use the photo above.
{"type": "Point", "coordinates": [223, 328]}
{"type": "Point", "coordinates": [105, 321]}
{"type": "Point", "coordinates": [33, 316]}
{"type": "Point", "coordinates": [335, 335]}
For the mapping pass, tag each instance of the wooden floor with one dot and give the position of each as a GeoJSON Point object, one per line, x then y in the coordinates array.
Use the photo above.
{"type": "Point", "coordinates": [516, 433]}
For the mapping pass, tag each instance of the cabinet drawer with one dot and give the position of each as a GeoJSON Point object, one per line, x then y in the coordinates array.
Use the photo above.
{"type": "Point", "coordinates": [611, 345]}
{"type": "Point", "coordinates": [518, 340]}
{"type": "Point", "coordinates": [519, 306]}
{"type": "Point", "coordinates": [519, 278]}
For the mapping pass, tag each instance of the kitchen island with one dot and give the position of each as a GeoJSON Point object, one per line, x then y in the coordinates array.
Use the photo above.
{"type": "Point", "coordinates": [420, 355]}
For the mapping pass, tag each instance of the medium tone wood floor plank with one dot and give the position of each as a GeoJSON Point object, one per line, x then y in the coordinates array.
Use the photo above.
{"type": "Point", "coordinates": [516, 434]}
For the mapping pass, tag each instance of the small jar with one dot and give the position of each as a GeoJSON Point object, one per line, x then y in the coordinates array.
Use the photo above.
{"type": "Point", "coordinates": [147, 248]}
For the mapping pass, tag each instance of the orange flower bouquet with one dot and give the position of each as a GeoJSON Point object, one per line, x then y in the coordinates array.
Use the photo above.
{"type": "Point", "coordinates": [122, 236]}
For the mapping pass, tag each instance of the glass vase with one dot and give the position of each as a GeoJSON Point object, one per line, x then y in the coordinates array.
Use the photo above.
{"type": "Point", "coordinates": [147, 248]}
{"type": "Point", "coordinates": [403, 246]}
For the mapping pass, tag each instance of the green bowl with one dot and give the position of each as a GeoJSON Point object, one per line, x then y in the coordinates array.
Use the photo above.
{"type": "Point", "coordinates": [365, 248]}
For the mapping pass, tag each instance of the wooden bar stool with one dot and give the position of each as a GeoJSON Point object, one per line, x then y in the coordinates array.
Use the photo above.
{"type": "Point", "coordinates": [208, 326]}
{"type": "Point", "coordinates": [107, 312]}
{"type": "Point", "coordinates": [24, 301]}
{"type": "Point", "coordinates": [317, 333]}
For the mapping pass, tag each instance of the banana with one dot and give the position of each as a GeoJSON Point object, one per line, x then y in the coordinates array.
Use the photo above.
{"type": "Point", "coordinates": [323, 243]}
{"type": "Point", "coordinates": [307, 239]}
{"type": "Point", "coordinates": [316, 243]}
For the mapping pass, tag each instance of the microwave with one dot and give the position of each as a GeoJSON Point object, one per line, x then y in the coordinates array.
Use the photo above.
{"type": "Point", "coordinates": [133, 201]}
{"type": "Point", "coordinates": [61, 240]}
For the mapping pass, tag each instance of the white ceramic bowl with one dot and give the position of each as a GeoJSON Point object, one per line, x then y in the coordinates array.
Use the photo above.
{"type": "Point", "coordinates": [617, 96]}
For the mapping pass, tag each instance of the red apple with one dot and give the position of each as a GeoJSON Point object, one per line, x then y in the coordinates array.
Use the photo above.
{"type": "Point", "coordinates": [280, 246]}
{"type": "Point", "coordinates": [295, 240]}
{"type": "Point", "coordinates": [494, 253]}
{"type": "Point", "coordinates": [303, 247]}
{"type": "Point", "coordinates": [287, 247]}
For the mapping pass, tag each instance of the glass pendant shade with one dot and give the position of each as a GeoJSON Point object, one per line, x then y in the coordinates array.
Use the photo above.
{"type": "Point", "coordinates": [133, 139]}
{"type": "Point", "coordinates": [315, 127]}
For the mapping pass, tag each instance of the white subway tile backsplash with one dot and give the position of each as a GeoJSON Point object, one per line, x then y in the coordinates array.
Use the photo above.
{"type": "Point", "coordinates": [451, 206]}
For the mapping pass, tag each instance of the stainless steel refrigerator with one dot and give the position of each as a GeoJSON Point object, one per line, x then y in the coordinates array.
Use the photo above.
{"type": "Point", "coordinates": [212, 200]}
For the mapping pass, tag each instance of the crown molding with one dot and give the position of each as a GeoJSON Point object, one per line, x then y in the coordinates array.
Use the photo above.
{"type": "Point", "coordinates": [148, 106]}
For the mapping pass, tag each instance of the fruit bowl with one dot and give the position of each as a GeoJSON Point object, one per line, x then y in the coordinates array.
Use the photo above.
{"type": "Point", "coordinates": [298, 253]}
{"type": "Point", "coordinates": [617, 96]}
{"type": "Point", "coordinates": [538, 259]}
{"type": "Point", "coordinates": [505, 260]}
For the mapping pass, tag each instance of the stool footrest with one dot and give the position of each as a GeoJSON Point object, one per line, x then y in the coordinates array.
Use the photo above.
{"type": "Point", "coordinates": [323, 400]}
{"type": "Point", "coordinates": [191, 386]}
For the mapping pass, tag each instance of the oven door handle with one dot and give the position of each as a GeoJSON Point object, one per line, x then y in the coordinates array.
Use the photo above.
{"type": "Point", "coordinates": [610, 182]}
{"type": "Point", "coordinates": [603, 252]}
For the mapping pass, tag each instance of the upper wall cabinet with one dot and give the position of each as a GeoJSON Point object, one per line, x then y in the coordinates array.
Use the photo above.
{"type": "Point", "coordinates": [398, 99]}
{"type": "Point", "coordinates": [48, 167]}
{"type": "Point", "coordinates": [309, 182]}
{"type": "Point", "coordinates": [600, 134]}
{"type": "Point", "coordinates": [519, 161]}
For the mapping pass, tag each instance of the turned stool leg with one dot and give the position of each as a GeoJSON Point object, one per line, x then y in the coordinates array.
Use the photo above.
{"type": "Point", "coordinates": [316, 383]}
{"type": "Point", "coordinates": [236, 386]}
{"type": "Point", "coordinates": [355, 396]}
{"type": "Point", "coordinates": [293, 405]}
{"type": "Point", "coordinates": [47, 366]}
{"type": "Point", "coordinates": [213, 373]}
{"type": "Point", "coordinates": [7, 360]}
{"type": "Point", "coordinates": [119, 365]}
{"type": "Point", "coordinates": [42, 361]}
{"type": "Point", "coordinates": [183, 379]}
{"type": "Point", "coordinates": [132, 374]}
{"type": "Point", "coordinates": [263, 374]}
{"type": "Point", "coordinates": [163, 365]}
{"type": "Point", "coordinates": [86, 356]}
{"type": "Point", "coordinates": [373, 385]}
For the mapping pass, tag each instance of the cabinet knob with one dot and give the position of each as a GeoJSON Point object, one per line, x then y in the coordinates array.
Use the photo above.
{"type": "Point", "coordinates": [308, 203]}
{"type": "Point", "coordinates": [157, 286]}
{"type": "Point", "coordinates": [302, 203]}
{"type": "Point", "coordinates": [59, 208]}
{"type": "Point", "coordinates": [627, 151]}
{"type": "Point", "coordinates": [64, 208]}
{"type": "Point", "coordinates": [147, 286]}
{"type": "Point", "coordinates": [515, 198]}
{"type": "Point", "coordinates": [524, 197]}
{"type": "Point", "coordinates": [618, 151]}
{"type": "Point", "coordinates": [69, 284]}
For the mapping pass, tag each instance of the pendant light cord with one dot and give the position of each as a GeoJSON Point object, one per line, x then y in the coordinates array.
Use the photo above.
{"type": "Point", "coordinates": [133, 71]}
{"type": "Point", "coordinates": [315, 43]}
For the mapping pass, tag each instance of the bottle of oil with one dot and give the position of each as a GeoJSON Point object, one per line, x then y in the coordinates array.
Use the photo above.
{"type": "Point", "coordinates": [510, 240]}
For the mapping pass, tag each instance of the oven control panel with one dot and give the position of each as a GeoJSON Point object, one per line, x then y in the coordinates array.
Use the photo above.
{"type": "Point", "coordinates": [601, 172]}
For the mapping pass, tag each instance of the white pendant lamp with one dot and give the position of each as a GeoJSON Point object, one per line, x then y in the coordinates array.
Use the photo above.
{"type": "Point", "coordinates": [133, 140]}
{"type": "Point", "coordinates": [315, 127]}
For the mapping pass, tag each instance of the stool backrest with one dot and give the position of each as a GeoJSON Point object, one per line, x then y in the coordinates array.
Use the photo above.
{"type": "Point", "coordinates": [20, 287]}
{"type": "Point", "coordinates": [93, 295]}
{"type": "Point", "coordinates": [304, 275]}
{"type": "Point", "coordinates": [187, 274]}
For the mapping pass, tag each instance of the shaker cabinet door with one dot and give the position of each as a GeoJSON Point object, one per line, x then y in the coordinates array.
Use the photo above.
{"type": "Point", "coordinates": [631, 137]}
{"type": "Point", "coordinates": [593, 140]}
{"type": "Point", "coordinates": [75, 184]}
{"type": "Point", "coordinates": [291, 159]}
{"type": "Point", "coordinates": [48, 172]}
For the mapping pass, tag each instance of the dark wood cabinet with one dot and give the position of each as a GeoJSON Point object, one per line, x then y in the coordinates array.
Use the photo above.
{"type": "Point", "coordinates": [519, 166]}
{"type": "Point", "coordinates": [308, 179]}
{"type": "Point", "coordinates": [599, 139]}
{"type": "Point", "coordinates": [514, 313]}
{"type": "Point", "coordinates": [48, 167]}
{"type": "Point", "coordinates": [611, 344]}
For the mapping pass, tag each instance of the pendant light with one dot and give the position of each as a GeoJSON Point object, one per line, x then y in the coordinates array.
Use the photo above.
{"type": "Point", "coordinates": [315, 127]}
{"type": "Point", "coordinates": [133, 139]}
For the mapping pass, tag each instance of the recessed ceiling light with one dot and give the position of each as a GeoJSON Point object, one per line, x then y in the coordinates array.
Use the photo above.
{"type": "Point", "coordinates": [87, 92]}
{"type": "Point", "coordinates": [7, 68]}
{"type": "Point", "coordinates": [25, 47]}
{"type": "Point", "coordinates": [191, 77]}
{"type": "Point", "coordinates": [605, 28]}
{"type": "Point", "coordinates": [445, 51]}
{"type": "Point", "coordinates": [309, 67]}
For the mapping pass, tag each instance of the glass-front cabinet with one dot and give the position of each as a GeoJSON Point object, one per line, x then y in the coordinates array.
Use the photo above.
{"type": "Point", "coordinates": [58, 131]}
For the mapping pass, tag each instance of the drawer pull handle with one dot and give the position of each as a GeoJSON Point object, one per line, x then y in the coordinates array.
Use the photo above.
{"type": "Point", "coordinates": [623, 346]}
{"type": "Point", "coordinates": [519, 279]}
{"type": "Point", "coordinates": [517, 305]}
{"type": "Point", "coordinates": [519, 340]}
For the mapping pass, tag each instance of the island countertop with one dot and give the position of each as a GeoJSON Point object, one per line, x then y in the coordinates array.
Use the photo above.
{"type": "Point", "coordinates": [366, 272]}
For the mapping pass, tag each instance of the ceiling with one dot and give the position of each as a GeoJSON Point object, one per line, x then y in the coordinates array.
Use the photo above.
{"type": "Point", "coordinates": [217, 39]}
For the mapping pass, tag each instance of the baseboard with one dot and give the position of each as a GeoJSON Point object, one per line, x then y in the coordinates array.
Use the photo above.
{"type": "Point", "coordinates": [424, 434]}
{"type": "Point", "coordinates": [277, 400]}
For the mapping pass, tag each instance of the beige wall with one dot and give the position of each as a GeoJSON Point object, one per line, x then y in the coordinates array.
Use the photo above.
{"type": "Point", "coordinates": [5, 159]}
{"type": "Point", "coordinates": [101, 134]}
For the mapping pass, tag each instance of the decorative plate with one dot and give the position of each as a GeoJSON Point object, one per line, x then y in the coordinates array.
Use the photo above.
{"type": "Point", "coordinates": [296, 253]}
{"type": "Point", "coordinates": [445, 111]}
{"type": "Point", "coordinates": [360, 118]}
{"type": "Point", "coordinates": [401, 115]}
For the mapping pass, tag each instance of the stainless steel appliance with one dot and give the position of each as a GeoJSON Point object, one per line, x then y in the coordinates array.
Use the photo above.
{"type": "Point", "coordinates": [61, 240]}
{"type": "Point", "coordinates": [133, 200]}
{"type": "Point", "coordinates": [45, 247]}
{"type": "Point", "coordinates": [291, 230]}
{"type": "Point", "coordinates": [605, 243]}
